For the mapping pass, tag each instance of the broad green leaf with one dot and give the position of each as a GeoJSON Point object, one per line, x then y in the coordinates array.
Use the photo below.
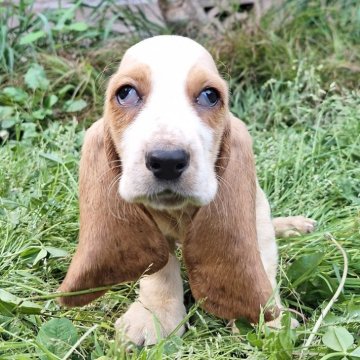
{"type": "Point", "coordinates": [6, 112]}
{"type": "Point", "coordinates": [354, 311]}
{"type": "Point", "coordinates": [331, 318]}
{"type": "Point", "coordinates": [243, 326]}
{"type": "Point", "coordinates": [317, 287]}
{"type": "Point", "coordinates": [338, 339]}
{"type": "Point", "coordinates": [39, 114]}
{"type": "Point", "coordinates": [254, 340]}
{"type": "Point", "coordinates": [356, 353]}
{"type": "Point", "coordinates": [52, 157]}
{"type": "Point", "coordinates": [35, 78]}
{"type": "Point", "coordinates": [32, 37]}
{"type": "Point", "coordinates": [50, 101]}
{"type": "Point", "coordinates": [7, 124]}
{"type": "Point", "coordinates": [41, 255]}
{"type": "Point", "coordinates": [7, 303]}
{"type": "Point", "coordinates": [11, 304]}
{"type": "Point", "coordinates": [75, 105]}
{"type": "Point", "coordinates": [55, 252]}
{"type": "Point", "coordinates": [29, 251]}
{"type": "Point", "coordinates": [29, 130]}
{"type": "Point", "coordinates": [78, 26]}
{"type": "Point", "coordinates": [15, 94]}
{"type": "Point", "coordinates": [28, 307]}
{"type": "Point", "coordinates": [57, 336]}
{"type": "Point", "coordinates": [304, 267]}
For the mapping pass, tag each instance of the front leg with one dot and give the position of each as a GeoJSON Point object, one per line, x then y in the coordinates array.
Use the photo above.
{"type": "Point", "coordinates": [160, 299]}
{"type": "Point", "coordinates": [268, 249]}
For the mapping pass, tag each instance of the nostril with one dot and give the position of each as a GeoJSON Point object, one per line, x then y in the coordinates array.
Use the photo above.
{"type": "Point", "coordinates": [155, 165]}
{"type": "Point", "coordinates": [167, 164]}
{"type": "Point", "coordinates": [180, 166]}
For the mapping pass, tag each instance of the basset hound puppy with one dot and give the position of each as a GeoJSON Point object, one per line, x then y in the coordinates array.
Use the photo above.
{"type": "Point", "coordinates": [169, 164]}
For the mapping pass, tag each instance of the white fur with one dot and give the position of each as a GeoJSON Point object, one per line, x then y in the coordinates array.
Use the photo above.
{"type": "Point", "coordinates": [266, 236]}
{"type": "Point", "coordinates": [161, 294]}
{"type": "Point", "coordinates": [168, 121]}
{"type": "Point", "coordinates": [160, 300]}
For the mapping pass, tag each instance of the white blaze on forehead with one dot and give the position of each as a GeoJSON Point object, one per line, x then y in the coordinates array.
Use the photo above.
{"type": "Point", "coordinates": [167, 118]}
{"type": "Point", "coordinates": [169, 54]}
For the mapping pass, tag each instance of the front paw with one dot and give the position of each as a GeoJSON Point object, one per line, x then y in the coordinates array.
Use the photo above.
{"type": "Point", "coordinates": [143, 326]}
{"type": "Point", "coordinates": [293, 226]}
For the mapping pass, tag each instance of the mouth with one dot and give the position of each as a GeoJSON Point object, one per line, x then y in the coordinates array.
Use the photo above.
{"type": "Point", "coordinates": [167, 199]}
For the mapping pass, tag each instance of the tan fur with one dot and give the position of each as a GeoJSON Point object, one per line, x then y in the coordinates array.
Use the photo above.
{"type": "Point", "coordinates": [161, 296]}
{"type": "Point", "coordinates": [174, 224]}
{"type": "Point", "coordinates": [221, 252]}
{"type": "Point", "coordinates": [293, 226]}
{"type": "Point", "coordinates": [117, 118]}
{"type": "Point", "coordinates": [106, 220]}
{"type": "Point", "coordinates": [217, 116]}
{"type": "Point", "coordinates": [199, 79]}
{"type": "Point", "coordinates": [118, 242]}
{"type": "Point", "coordinates": [229, 245]}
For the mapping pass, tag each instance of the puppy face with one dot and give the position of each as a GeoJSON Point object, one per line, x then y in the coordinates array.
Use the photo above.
{"type": "Point", "coordinates": [166, 108]}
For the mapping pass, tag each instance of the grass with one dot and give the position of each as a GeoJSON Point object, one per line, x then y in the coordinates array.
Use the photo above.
{"type": "Point", "coordinates": [294, 81]}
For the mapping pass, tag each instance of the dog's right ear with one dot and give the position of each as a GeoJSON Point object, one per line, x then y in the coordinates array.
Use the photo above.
{"type": "Point", "coordinates": [118, 241]}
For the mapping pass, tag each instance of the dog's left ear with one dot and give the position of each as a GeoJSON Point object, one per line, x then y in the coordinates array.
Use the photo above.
{"type": "Point", "coordinates": [221, 250]}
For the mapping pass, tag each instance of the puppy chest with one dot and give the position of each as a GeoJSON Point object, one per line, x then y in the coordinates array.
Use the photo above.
{"type": "Point", "coordinates": [173, 224]}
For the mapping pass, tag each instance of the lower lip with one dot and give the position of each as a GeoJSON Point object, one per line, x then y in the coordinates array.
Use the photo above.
{"type": "Point", "coordinates": [169, 200]}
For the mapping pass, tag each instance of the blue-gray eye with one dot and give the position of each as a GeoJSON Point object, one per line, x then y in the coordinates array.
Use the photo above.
{"type": "Point", "coordinates": [208, 97]}
{"type": "Point", "coordinates": [127, 96]}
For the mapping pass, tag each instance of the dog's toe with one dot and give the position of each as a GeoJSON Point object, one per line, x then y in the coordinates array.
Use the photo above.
{"type": "Point", "coordinates": [291, 233]}
{"type": "Point", "coordinates": [303, 225]}
{"type": "Point", "coordinates": [293, 226]}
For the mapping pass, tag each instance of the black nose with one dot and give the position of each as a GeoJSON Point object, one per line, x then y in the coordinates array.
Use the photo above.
{"type": "Point", "coordinates": [167, 164]}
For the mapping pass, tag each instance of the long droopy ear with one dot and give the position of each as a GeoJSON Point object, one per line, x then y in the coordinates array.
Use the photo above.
{"type": "Point", "coordinates": [118, 241]}
{"type": "Point", "coordinates": [221, 251]}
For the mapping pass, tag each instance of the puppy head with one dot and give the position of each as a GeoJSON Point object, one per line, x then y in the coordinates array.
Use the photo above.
{"type": "Point", "coordinates": [166, 111]}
